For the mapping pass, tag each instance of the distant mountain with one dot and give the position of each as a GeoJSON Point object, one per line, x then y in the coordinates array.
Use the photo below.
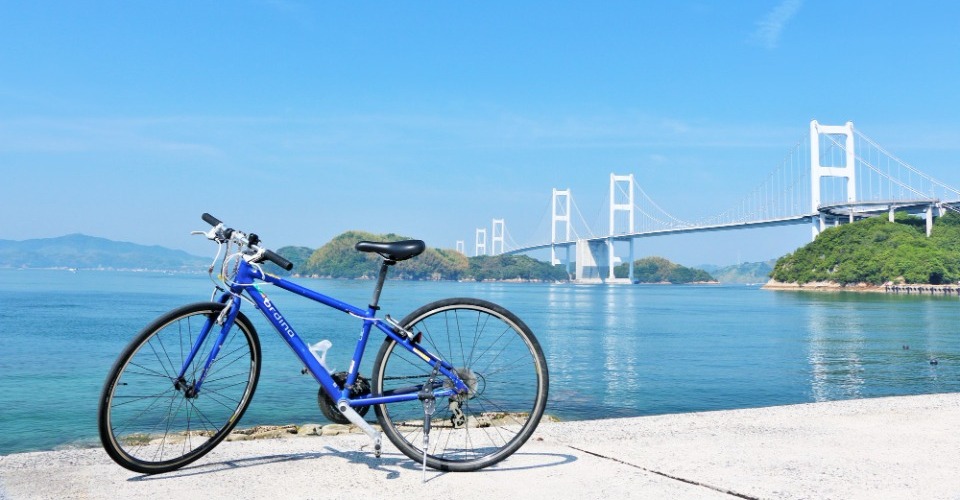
{"type": "Point", "coordinates": [79, 251]}
{"type": "Point", "coordinates": [748, 272]}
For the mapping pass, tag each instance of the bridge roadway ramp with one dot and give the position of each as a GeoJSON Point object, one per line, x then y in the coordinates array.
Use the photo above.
{"type": "Point", "coordinates": [903, 447]}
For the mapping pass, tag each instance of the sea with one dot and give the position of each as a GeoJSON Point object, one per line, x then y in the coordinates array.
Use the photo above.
{"type": "Point", "coordinates": [612, 351]}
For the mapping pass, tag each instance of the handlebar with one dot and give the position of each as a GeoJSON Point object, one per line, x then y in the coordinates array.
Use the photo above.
{"type": "Point", "coordinates": [278, 259]}
{"type": "Point", "coordinates": [209, 219]}
{"type": "Point", "coordinates": [227, 234]}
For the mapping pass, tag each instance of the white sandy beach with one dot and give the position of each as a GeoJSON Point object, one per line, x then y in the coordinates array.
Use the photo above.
{"type": "Point", "coordinates": [902, 447]}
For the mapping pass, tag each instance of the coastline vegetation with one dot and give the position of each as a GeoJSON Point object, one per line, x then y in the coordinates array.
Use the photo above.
{"type": "Point", "coordinates": [874, 252]}
{"type": "Point", "coordinates": [660, 270]}
{"type": "Point", "coordinates": [338, 259]}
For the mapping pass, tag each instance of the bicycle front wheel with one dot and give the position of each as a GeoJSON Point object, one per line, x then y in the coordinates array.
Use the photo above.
{"type": "Point", "coordinates": [498, 358]}
{"type": "Point", "coordinates": [152, 420]}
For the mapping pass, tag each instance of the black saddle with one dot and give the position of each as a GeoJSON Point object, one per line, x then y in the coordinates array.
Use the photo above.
{"type": "Point", "coordinates": [395, 250]}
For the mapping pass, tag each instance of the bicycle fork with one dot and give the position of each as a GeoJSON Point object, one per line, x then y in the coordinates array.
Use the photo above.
{"type": "Point", "coordinates": [225, 320]}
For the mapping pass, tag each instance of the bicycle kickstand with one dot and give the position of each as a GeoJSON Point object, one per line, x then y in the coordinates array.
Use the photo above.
{"type": "Point", "coordinates": [429, 406]}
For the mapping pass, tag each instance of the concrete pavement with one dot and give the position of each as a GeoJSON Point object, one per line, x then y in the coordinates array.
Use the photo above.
{"type": "Point", "coordinates": [903, 447]}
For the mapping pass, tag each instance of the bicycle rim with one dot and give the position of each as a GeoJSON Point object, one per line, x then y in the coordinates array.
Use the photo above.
{"type": "Point", "coordinates": [496, 355]}
{"type": "Point", "coordinates": [149, 422]}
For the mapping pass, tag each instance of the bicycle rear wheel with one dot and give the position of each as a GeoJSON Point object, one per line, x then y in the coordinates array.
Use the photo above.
{"type": "Point", "coordinates": [497, 356]}
{"type": "Point", "coordinates": [152, 422]}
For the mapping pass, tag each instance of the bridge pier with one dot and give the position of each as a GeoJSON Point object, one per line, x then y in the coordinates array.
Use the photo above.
{"type": "Point", "coordinates": [611, 253]}
{"type": "Point", "coordinates": [596, 261]}
{"type": "Point", "coordinates": [591, 258]}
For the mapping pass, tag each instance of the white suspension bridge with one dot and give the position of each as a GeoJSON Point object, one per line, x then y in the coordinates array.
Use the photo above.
{"type": "Point", "coordinates": [833, 175]}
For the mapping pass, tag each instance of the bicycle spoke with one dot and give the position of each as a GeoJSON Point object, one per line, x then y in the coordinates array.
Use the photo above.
{"type": "Point", "coordinates": [502, 366]}
{"type": "Point", "coordinates": [155, 422]}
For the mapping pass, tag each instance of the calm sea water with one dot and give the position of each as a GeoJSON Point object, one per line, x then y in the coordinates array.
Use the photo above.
{"type": "Point", "coordinates": [612, 351]}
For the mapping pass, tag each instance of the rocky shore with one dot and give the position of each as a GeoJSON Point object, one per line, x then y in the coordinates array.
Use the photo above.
{"type": "Point", "coordinates": [305, 430]}
{"type": "Point", "coordinates": [830, 286]}
{"type": "Point", "coordinates": [824, 286]}
{"type": "Point", "coordinates": [279, 431]}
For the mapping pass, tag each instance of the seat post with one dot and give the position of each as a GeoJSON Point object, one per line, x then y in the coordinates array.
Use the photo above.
{"type": "Point", "coordinates": [381, 277]}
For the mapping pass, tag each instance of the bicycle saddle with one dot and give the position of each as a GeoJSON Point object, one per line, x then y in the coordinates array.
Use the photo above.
{"type": "Point", "coordinates": [395, 250]}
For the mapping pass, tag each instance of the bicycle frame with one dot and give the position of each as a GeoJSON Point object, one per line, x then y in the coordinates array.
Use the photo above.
{"type": "Point", "coordinates": [245, 282]}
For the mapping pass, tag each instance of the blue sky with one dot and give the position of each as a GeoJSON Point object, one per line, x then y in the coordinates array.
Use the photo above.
{"type": "Point", "coordinates": [300, 120]}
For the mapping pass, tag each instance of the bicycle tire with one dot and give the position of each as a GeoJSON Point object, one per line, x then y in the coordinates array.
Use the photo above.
{"type": "Point", "coordinates": [502, 362]}
{"type": "Point", "coordinates": [147, 423]}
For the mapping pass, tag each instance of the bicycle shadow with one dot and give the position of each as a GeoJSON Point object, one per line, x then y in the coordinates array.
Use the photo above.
{"type": "Point", "coordinates": [389, 463]}
{"type": "Point", "coordinates": [232, 464]}
{"type": "Point", "coordinates": [402, 461]}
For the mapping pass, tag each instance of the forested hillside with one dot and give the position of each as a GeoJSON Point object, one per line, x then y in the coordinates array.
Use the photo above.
{"type": "Point", "coordinates": [875, 251]}
{"type": "Point", "coordinates": [660, 270]}
{"type": "Point", "coordinates": [339, 259]}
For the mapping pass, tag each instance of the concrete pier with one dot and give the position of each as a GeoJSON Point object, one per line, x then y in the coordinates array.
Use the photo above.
{"type": "Point", "coordinates": [900, 447]}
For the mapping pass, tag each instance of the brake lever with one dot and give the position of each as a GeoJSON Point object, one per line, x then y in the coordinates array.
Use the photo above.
{"type": "Point", "coordinates": [216, 233]}
{"type": "Point", "coordinates": [210, 235]}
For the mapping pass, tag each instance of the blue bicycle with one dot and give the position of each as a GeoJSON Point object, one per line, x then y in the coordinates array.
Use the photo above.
{"type": "Point", "coordinates": [460, 383]}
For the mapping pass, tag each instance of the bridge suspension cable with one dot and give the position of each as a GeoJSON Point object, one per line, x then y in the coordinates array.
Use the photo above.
{"type": "Point", "coordinates": [573, 228]}
{"type": "Point", "coordinates": [509, 238]}
{"type": "Point", "coordinates": [781, 195]}
{"type": "Point", "coordinates": [675, 221]}
{"type": "Point", "coordinates": [890, 179]}
{"type": "Point", "coordinates": [946, 190]}
{"type": "Point", "coordinates": [812, 179]}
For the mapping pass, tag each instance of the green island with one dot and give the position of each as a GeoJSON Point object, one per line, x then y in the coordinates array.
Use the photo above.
{"type": "Point", "coordinates": [875, 252]}
{"type": "Point", "coordinates": [338, 259]}
{"type": "Point", "coordinates": [660, 270]}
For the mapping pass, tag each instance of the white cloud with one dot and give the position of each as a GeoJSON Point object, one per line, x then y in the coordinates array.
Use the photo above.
{"type": "Point", "coordinates": [771, 27]}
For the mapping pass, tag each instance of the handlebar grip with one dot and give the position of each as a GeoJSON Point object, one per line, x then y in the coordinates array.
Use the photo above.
{"type": "Point", "coordinates": [209, 219]}
{"type": "Point", "coordinates": [278, 260]}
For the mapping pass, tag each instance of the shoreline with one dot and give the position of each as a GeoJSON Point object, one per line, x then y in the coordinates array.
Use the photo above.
{"type": "Point", "coordinates": [823, 286]}
{"type": "Point", "coordinates": [830, 286]}
{"type": "Point", "coordinates": [257, 432]}
{"type": "Point", "coordinates": [887, 447]}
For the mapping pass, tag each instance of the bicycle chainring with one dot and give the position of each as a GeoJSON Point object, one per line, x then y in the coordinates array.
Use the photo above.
{"type": "Point", "coordinates": [329, 407]}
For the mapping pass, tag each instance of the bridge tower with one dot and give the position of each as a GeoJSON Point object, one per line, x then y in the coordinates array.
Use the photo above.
{"type": "Point", "coordinates": [561, 214]}
{"type": "Point", "coordinates": [496, 236]}
{"type": "Point", "coordinates": [621, 204]}
{"type": "Point", "coordinates": [460, 247]}
{"type": "Point", "coordinates": [846, 169]}
{"type": "Point", "coordinates": [481, 248]}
